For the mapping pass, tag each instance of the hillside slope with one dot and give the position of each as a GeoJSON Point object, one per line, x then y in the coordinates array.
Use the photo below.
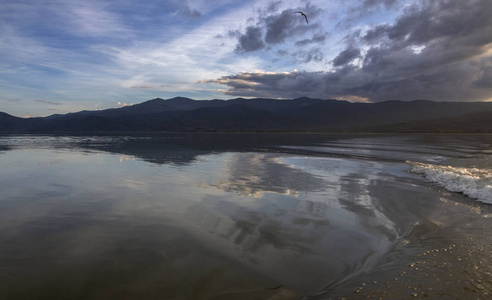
{"type": "Point", "coordinates": [265, 115]}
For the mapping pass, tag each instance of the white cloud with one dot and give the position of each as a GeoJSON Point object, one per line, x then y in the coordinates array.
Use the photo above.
{"type": "Point", "coordinates": [91, 18]}
{"type": "Point", "coordinates": [120, 104]}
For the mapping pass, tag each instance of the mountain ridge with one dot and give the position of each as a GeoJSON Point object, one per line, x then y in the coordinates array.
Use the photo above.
{"type": "Point", "coordinates": [263, 115]}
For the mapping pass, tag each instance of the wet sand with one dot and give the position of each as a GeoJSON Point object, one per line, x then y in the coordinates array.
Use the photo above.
{"type": "Point", "coordinates": [443, 259]}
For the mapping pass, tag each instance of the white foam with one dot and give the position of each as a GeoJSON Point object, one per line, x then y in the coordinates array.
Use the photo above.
{"type": "Point", "coordinates": [473, 182]}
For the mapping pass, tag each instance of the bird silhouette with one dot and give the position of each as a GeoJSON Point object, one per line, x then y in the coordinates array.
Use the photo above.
{"type": "Point", "coordinates": [300, 12]}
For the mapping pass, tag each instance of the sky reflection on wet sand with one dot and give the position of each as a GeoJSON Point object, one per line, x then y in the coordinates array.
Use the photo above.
{"type": "Point", "coordinates": [181, 223]}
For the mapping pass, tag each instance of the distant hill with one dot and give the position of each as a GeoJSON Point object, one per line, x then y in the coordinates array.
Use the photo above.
{"type": "Point", "coordinates": [265, 115]}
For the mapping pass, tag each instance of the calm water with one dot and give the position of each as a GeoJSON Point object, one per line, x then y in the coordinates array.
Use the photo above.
{"type": "Point", "coordinates": [245, 217]}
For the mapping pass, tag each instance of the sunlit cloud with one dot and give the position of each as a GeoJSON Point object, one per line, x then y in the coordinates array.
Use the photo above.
{"type": "Point", "coordinates": [418, 49]}
{"type": "Point", "coordinates": [121, 104]}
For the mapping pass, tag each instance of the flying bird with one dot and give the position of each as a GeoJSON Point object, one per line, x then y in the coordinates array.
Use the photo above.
{"type": "Point", "coordinates": [300, 12]}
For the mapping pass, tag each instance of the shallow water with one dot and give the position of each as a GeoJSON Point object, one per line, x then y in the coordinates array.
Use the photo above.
{"type": "Point", "coordinates": [235, 216]}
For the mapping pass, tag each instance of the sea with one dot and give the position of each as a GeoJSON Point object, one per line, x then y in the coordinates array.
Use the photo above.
{"type": "Point", "coordinates": [246, 216]}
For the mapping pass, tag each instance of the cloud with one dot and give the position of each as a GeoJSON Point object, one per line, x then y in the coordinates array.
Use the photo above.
{"type": "Point", "coordinates": [464, 20]}
{"type": "Point", "coordinates": [456, 82]}
{"type": "Point", "coordinates": [368, 7]}
{"type": "Point", "coordinates": [121, 104]}
{"type": "Point", "coordinates": [15, 46]}
{"type": "Point", "coordinates": [375, 3]}
{"type": "Point", "coordinates": [273, 28]}
{"type": "Point", "coordinates": [279, 27]}
{"type": "Point", "coordinates": [185, 10]}
{"type": "Point", "coordinates": [250, 41]}
{"type": "Point", "coordinates": [49, 102]}
{"type": "Point", "coordinates": [485, 81]}
{"type": "Point", "coordinates": [318, 38]}
{"type": "Point", "coordinates": [346, 56]}
{"type": "Point", "coordinates": [314, 54]}
{"type": "Point", "coordinates": [273, 84]}
{"type": "Point", "coordinates": [87, 18]}
{"type": "Point", "coordinates": [437, 50]}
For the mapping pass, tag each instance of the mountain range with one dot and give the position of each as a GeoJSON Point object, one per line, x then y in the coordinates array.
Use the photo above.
{"type": "Point", "coordinates": [264, 115]}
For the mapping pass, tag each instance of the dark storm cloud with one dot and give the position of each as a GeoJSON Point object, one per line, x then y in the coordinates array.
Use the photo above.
{"type": "Point", "coordinates": [346, 56]}
{"type": "Point", "coordinates": [275, 85]}
{"type": "Point", "coordinates": [467, 20]}
{"type": "Point", "coordinates": [452, 35]}
{"type": "Point", "coordinates": [275, 28]}
{"type": "Point", "coordinates": [437, 50]}
{"type": "Point", "coordinates": [288, 24]}
{"type": "Point", "coordinates": [376, 33]}
{"type": "Point", "coordinates": [279, 27]}
{"type": "Point", "coordinates": [252, 40]}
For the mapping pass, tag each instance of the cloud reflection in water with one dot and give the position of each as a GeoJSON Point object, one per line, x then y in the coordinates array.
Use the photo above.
{"type": "Point", "coordinates": [311, 216]}
{"type": "Point", "coordinates": [173, 223]}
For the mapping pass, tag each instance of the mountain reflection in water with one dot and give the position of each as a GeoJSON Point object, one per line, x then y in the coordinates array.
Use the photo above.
{"type": "Point", "coordinates": [190, 218]}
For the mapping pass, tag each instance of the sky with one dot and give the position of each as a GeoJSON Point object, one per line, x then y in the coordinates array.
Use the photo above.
{"type": "Point", "coordinates": [60, 56]}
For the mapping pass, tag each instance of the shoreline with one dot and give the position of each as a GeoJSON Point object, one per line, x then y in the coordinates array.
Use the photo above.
{"type": "Point", "coordinates": [116, 133]}
{"type": "Point", "coordinates": [447, 272]}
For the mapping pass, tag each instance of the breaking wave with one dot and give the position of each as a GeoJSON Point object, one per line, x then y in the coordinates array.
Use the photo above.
{"type": "Point", "coordinates": [473, 182]}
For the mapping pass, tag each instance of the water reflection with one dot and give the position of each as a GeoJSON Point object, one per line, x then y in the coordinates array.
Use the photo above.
{"type": "Point", "coordinates": [423, 148]}
{"type": "Point", "coordinates": [333, 211]}
{"type": "Point", "coordinates": [254, 174]}
{"type": "Point", "coordinates": [116, 217]}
